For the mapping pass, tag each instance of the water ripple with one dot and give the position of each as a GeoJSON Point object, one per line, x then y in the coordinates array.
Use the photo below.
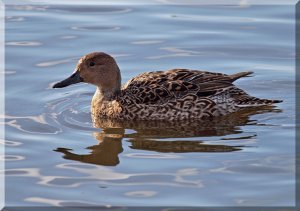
{"type": "Point", "coordinates": [146, 42]}
{"type": "Point", "coordinates": [31, 124]}
{"type": "Point", "coordinates": [224, 19]}
{"type": "Point", "coordinates": [67, 37]}
{"type": "Point", "coordinates": [10, 143]}
{"type": "Point", "coordinates": [96, 28]}
{"type": "Point", "coordinates": [89, 9]}
{"type": "Point", "coordinates": [9, 72]}
{"type": "Point", "coordinates": [24, 43]}
{"type": "Point", "coordinates": [56, 62]}
{"type": "Point", "coordinates": [152, 156]}
{"type": "Point", "coordinates": [12, 158]}
{"type": "Point", "coordinates": [69, 112]}
{"type": "Point", "coordinates": [104, 176]}
{"type": "Point", "coordinates": [141, 194]}
{"type": "Point", "coordinates": [14, 18]}
{"type": "Point", "coordinates": [27, 7]}
{"type": "Point", "coordinates": [176, 52]}
{"type": "Point", "coordinates": [59, 202]}
{"type": "Point", "coordinates": [254, 52]}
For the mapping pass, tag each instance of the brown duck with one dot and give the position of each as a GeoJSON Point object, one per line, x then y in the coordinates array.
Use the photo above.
{"type": "Point", "coordinates": [161, 95]}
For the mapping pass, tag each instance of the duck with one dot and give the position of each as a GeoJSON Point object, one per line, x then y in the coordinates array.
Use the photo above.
{"type": "Point", "coordinates": [176, 94]}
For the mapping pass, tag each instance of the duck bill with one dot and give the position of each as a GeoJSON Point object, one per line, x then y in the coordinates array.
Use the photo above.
{"type": "Point", "coordinates": [73, 79]}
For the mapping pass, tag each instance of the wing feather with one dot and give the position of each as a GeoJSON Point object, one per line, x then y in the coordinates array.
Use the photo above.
{"type": "Point", "coordinates": [162, 86]}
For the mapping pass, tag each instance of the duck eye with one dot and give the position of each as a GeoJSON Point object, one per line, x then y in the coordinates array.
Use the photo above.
{"type": "Point", "coordinates": [92, 64]}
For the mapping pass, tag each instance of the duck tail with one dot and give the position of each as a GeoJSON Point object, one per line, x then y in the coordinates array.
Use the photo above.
{"type": "Point", "coordinates": [242, 99]}
{"type": "Point", "coordinates": [254, 102]}
{"type": "Point", "coordinates": [236, 76]}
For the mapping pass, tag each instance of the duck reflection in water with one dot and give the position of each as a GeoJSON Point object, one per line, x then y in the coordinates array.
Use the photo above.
{"type": "Point", "coordinates": [149, 134]}
{"type": "Point", "coordinates": [104, 153]}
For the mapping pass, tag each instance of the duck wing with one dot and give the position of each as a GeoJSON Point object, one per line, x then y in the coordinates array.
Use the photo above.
{"type": "Point", "coordinates": [161, 86]}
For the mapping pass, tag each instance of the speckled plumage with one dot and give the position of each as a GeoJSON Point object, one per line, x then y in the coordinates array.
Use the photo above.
{"type": "Point", "coordinates": [177, 94]}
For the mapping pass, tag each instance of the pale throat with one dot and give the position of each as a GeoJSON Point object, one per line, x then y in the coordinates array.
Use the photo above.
{"type": "Point", "coordinates": [105, 103]}
{"type": "Point", "coordinates": [106, 94]}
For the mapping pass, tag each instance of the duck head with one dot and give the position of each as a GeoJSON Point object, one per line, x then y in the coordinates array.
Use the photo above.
{"type": "Point", "coordinates": [99, 69]}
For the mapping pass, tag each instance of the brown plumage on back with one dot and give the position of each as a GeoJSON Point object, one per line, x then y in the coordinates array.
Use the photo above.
{"type": "Point", "coordinates": [168, 95]}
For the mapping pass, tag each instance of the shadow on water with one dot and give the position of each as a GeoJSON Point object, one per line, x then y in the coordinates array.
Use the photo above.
{"type": "Point", "coordinates": [149, 134]}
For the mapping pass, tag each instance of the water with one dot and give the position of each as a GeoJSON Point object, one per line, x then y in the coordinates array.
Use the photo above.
{"type": "Point", "coordinates": [54, 156]}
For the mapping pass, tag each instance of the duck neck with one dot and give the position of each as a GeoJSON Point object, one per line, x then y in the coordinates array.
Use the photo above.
{"type": "Point", "coordinates": [102, 95]}
{"type": "Point", "coordinates": [102, 102]}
